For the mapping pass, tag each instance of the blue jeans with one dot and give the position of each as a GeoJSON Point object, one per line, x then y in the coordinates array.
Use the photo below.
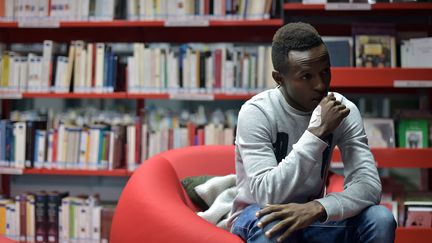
{"type": "Point", "coordinates": [373, 224]}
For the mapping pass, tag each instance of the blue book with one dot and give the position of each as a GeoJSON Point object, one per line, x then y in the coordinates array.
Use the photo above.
{"type": "Point", "coordinates": [340, 53]}
{"type": "Point", "coordinates": [3, 124]}
{"type": "Point", "coordinates": [10, 155]}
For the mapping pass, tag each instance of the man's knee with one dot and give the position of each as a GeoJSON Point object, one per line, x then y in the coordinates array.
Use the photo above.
{"type": "Point", "coordinates": [380, 216]}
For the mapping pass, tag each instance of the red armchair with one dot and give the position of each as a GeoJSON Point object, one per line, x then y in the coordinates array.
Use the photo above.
{"type": "Point", "coordinates": [154, 207]}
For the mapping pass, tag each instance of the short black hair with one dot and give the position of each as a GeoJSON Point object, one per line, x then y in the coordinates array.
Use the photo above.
{"type": "Point", "coordinates": [293, 36]}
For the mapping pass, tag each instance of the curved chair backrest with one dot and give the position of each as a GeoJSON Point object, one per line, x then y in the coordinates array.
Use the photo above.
{"type": "Point", "coordinates": [153, 206]}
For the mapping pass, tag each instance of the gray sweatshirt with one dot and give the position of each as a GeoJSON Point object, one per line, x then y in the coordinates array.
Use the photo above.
{"type": "Point", "coordinates": [278, 161]}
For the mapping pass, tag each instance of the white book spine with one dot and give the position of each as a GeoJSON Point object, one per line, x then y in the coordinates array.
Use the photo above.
{"type": "Point", "coordinates": [260, 74]}
{"type": "Point", "coordinates": [131, 140]}
{"type": "Point", "coordinates": [83, 148]}
{"type": "Point", "coordinates": [100, 56]}
{"type": "Point", "coordinates": [20, 143]}
{"type": "Point", "coordinates": [41, 145]}
{"type": "Point", "coordinates": [30, 207]}
{"type": "Point", "coordinates": [89, 65]}
{"type": "Point", "coordinates": [23, 69]}
{"type": "Point", "coordinates": [111, 150]}
{"type": "Point", "coordinates": [60, 145]}
{"type": "Point", "coordinates": [94, 148]}
{"type": "Point", "coordinates": [47, 64]}
{"type": "Point", "coordinates": [96, 224]}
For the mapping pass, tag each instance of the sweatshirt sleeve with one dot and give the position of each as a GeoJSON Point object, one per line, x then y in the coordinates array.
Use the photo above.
{"type": "Point", "coordinates": [271, 182]}
{"type": "Point", "coordinates": [362, 185]}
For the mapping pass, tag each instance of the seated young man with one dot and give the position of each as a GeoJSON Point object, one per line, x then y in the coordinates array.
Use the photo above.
{"type": "Point", "coordinates": [284, 142]}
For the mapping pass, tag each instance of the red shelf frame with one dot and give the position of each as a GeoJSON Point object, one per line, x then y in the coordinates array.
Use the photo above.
{"type": "Point", "coordinates": [397, 157]}
{"type": "Point", "coordinates": [376, 77]}
{"type": "Point", "coordinates": [159, 23]}
{"type": "Point", "coordinates": [243, 23]}
{"type": "Point", "coordinates": [116, 95]}
{"type": "Point", "coordinates": [110, 24]}
{"type": "Point", "coordinates": [115, 172]}
{"type": "Point", "coordinates": [376, 6]}
{"type": "Point", "coordinates": [342, 78]}
{"type": "Point", "coordinates": [411, 234]}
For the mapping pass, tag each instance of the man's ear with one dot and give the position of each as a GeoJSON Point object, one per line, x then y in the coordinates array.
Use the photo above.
{"type": "Point", "coordinates": [277, 76]}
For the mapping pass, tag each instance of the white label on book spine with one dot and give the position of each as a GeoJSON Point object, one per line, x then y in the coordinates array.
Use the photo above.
{"type": "Point", "coordinates": [186, 23]}
{"type": "Point", "coordinates": [11, 171]}
{"type": "Point", "coordinates": [348, 6]}
{"type": "Point", "coordinates": [38, 23]}
{"type": "Point", "coordinates": [10, 95]}
{"type": "Point", "coordinates": [412, 83]}
{"type": "Point", "coordinates": [189, 96]}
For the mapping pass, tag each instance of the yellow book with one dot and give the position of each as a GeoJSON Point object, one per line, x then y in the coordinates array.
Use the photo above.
{"type": "Point", "coordinates": [5, 70]}
{"type": "Point", "coordinates": [3, 203]}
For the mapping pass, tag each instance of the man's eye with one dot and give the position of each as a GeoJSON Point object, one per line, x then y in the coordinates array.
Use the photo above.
{"type": "Point", "coordinates": [306, 77]}
{"type": "Point", "coordinates": [326, 71]}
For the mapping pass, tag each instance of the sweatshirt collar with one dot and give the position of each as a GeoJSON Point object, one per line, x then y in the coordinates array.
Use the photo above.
{"type": "Point", "coordinates": [287, 107]}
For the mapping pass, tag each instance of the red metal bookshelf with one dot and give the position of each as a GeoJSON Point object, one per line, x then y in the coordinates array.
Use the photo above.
{"type": "Point", "coordinates": [159, 23]}
{"type": "Point", "coordinates": [116, 95]}
{"type": "Point", "coordinates": [115, 172]}
{"type": "Point", "coordinates": [411, 234]}
{"type": "Point", "coordinates": [376, 6]}
{"type": "Point", "coordinates": [243, 23]}
{"type": "Point", "coordinates": [396, 157]}
{"type": "Point", "coordinates": [381, 77]}
{"type": "Point", "coordinates": [110, 24]}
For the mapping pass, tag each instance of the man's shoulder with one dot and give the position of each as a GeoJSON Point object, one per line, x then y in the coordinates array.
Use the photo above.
{"type": "Point", "coordinates": [262, 102]}
{"type": "Point", "coordinates": [262, 97]}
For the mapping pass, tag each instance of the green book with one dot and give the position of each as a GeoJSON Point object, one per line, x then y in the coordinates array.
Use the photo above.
{"type": "Point", "coordinates": [413, 133]}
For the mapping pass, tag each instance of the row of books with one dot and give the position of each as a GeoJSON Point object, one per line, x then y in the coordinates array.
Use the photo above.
{"type": "Point", "coordinates": [107, 10]}
{"type": "Point", "coordinates": [353, 1]}
{"type": "Point", "coordinates": [94, 67]}
{"type": "Point", "coordinates": [410, 133]}
{"type": "Point", "coordinates": [104, 146]}
{"type": "Point", "coordinates": [409, 211]}
{"type": "Point", "coordinates": [55, 217]}
{"type": "Point", "coordinates": [193, 67]}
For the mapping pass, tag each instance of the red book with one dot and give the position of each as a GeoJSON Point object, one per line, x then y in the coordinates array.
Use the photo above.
{"type": "Point", "coordinates": [170, 138]}
{"type": "Point", "coordinates": [22, 198]}
{"type": "Point", "coordinates": [54, 146]}
{"type": "Point", "coordinates": [191, 133]}
{"type": "Point", "coordinates": [218, 68]}
{"type": "Point", "coordinates": [200, 135]}
{"type": "Point", "coordinates": [138, 141]}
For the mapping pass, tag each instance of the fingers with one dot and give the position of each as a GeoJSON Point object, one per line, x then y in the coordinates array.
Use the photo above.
{"type": "Point", "coordinates": [287, 233]}
{"type": "Point", "coordinates": [345, 112]}
{"type": "Point", "coordinates": [270, 218]}
{"type": "Point", "coordinates": [279, 226]}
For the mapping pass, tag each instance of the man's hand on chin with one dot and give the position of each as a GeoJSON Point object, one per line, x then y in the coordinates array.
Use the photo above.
{"type": "Point", "coordinates": [292, 217]}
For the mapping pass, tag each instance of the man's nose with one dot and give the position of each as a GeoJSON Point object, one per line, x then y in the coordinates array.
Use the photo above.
{"type": "Point", "coordinates": [320, 84]}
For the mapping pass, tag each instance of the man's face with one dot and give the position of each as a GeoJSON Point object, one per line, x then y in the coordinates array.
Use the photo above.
{"type": "Point", "coordinates": [307, 78]}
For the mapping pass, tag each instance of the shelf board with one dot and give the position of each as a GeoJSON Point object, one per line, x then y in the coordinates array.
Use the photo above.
{"type": "Point", "coordinates": [233, 96]}
{"type": "Point", "coordinates": [412, 234]}
{"type": "Point", "coordinates": [115, 172]}
{"type": "Point", "coordinates": [376, 6]}
{"type": "Point", "coordinates": [8, 24]}
{"type": "Point", "coordinates": [398, 79]}
{"type": "Point", "coordinates": [116, 95]}
{"type": "Point", "coordinates": [155, 23]}
{"type": "Point", "coordinates": [381, 77]}
{"type": "Point", "coordinates": [111, 24]}
{"type": "Point", "coordinates": [244, 23]}
{"type": "Point", "coordinates": [395, 158]}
